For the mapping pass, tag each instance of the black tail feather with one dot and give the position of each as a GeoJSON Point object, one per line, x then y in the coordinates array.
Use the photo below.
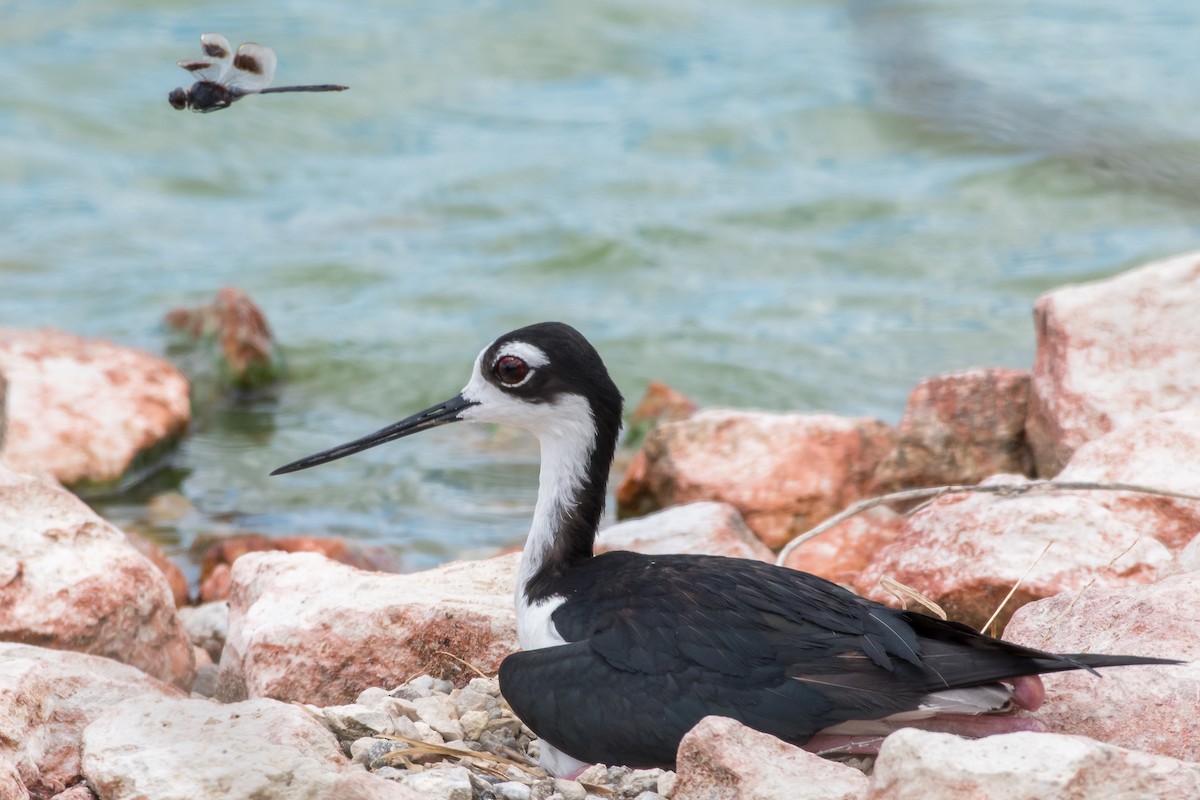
{"type": "Point", "coordinates": [1062, 662]}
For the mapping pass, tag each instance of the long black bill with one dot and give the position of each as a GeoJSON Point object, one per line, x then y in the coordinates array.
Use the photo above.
{"type": "Point", "coordinates": [440, 414]}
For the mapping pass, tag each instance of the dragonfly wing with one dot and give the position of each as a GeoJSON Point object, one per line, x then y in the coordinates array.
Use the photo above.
{"type": "Point", "coordinates": [218, 56]}
{"type": "Point", "coordinates": [253, 69]}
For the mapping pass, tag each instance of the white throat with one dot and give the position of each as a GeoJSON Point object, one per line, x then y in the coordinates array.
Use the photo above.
{"type": "Point", "coordinates": [566, 431]}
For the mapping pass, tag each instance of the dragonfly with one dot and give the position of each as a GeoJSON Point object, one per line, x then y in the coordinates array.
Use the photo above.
{"type": "Point", "coordinates": [223, 77]}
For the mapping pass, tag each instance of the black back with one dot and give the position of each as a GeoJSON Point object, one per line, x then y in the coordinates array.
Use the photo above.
{"type": "Point", "coordinates": [659, 642]}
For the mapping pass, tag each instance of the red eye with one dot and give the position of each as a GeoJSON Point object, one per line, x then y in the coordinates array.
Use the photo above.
{"type": "Point", "coordinates": [510, 370]}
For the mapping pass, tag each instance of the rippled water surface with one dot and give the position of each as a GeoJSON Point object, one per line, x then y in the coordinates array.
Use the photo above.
{"type": "Point", "coordinates": [785, 205]}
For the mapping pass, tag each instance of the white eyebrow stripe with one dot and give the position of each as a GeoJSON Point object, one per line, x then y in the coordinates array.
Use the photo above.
{"type": "Point", "coordinates": [532, 355]}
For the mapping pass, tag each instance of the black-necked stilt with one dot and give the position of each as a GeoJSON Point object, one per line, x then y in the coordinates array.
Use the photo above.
{"type": "Point", "coordinates": [623, 653]}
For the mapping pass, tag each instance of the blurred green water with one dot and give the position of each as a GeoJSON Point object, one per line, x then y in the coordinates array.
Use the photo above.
{"type": "Point", "coordinates": [786, 205]}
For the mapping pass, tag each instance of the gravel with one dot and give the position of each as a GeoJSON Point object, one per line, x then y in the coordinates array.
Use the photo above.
{"type": "Point", "coordinates": [466, 744]}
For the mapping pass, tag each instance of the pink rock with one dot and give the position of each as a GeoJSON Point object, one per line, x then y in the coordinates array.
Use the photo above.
{"type": "Point", "coordinates": [661, 403]}
{"type": "Point", "coordinates": [307, 629]}
{"type": "Point", "coordinates": [721, 758]}
{"type": "Point", "coordinates": [71, 581]}
{"type": "Point", "coordinates": [3, 409]}
{"type": "Point", "coordinates": [87, 411]}
{"type": "Point", "coordinates": [1187, 559]}
{"type": "Point", "coordinates": [960, 428]}
{"type": "Point", "coordinates": [79, 791]}
{"type": "Point", "coordinates": [783, 472]}
{"type": "Point", "coordinates": [966, 551]}
{"type": "Point", "coordinates": [715, 529]}
{"type": "Point", "coordinates": [916, 765]}
{"type": "Point", "coordinates": [207, 625]}
{"type": "Point", "coordinates": [47, 698]}
{"type": "Point", "coordinates": [183, 749]}
{"type": "Point", "coordinates": [11, 785]}
{"type": "Point", "coordinates": [841, 553]}
{"type": "Point", "coordinates": [1160, 451]}
{"type": "Point", "coordinates": [170, 570]}
{"type": "Point", "coordinates": [214, 570]}
{"type": "Point", "coordinates": [1112, 352]}
{"type": "Point", "coordinates": [1151, 708]}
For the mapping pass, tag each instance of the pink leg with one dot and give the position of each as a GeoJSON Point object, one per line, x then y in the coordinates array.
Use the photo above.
{"type": "Point", "coordinates": [969, 725]}
{"type": "Point", "coordinates": [1028, 692]}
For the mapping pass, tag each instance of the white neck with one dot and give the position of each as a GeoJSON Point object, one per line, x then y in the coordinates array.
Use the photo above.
{"type": "Point", "coordinates": [566, 448]}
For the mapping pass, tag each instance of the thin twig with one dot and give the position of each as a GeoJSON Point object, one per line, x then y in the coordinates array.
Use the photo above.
{"type": "Point", "coordinates": [464, 662]}
{"type": "Point", "coordinates": [1013, 590]}
{"type": "Point", "coordinates": [1006, 489]}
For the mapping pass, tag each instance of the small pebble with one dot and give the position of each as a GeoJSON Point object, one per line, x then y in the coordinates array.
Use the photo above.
{"type": "Point", "coordinates": [354, 721]}
{"type": "Point", "coordinates": [666, 783]}
{"type": "Point", "coordinates": [650, 796]}
{"type": "Point", "coordinates": [453, 783]}
{"type": "Point", "coordinates": [406, 727]}
{"type": "Point", "coordinates": [639, 781]}
{"type": "Point", "coordinates": [438, 712]}
{"type": "Point", "coordinates": [511, 790]}
{"type": "Point", "coordinates": [391, 773]}
{"type": "Point", "coordinates": [205, 684]}
{"type": "Point", "coordinates": [468, 700]}
{"type": "Point", "coordinates": [489, 686]}
{"type": "Point", "coordinates": [371, 697]}
{"type": "Point", "coordinates": [473, 724]}
{"type": "Point", "coordinates": [427, 734]}
{"type": "Point", "coordinates": [570, 790]}
{"type": "Point", "coordinates": [360, 749]}
{"type": "Point", "coordinates": [399, 707]}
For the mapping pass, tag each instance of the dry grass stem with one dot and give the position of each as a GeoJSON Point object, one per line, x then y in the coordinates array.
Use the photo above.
{"type": "Point", "coordinates": [905, 593]}
{"type": "Point", "coordinates": [1013, 590]}
{"type": "Point", "coordinates": [849, 747]}
{"type": "Point", "coordinates": [419, 748]}
{"type": "Point", "coordinates": [1006, 489]}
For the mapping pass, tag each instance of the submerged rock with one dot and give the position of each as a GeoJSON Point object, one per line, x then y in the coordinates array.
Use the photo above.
{"type": "Point", "coordinates": [245, 351]}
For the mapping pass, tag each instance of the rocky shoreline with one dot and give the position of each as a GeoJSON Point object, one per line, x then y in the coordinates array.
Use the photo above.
{"type": "Point", "coordinates": [306, 677]}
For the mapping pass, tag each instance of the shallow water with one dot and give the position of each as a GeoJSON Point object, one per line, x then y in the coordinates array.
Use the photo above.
{"type": "Point", "coordinates": [784, 205]}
